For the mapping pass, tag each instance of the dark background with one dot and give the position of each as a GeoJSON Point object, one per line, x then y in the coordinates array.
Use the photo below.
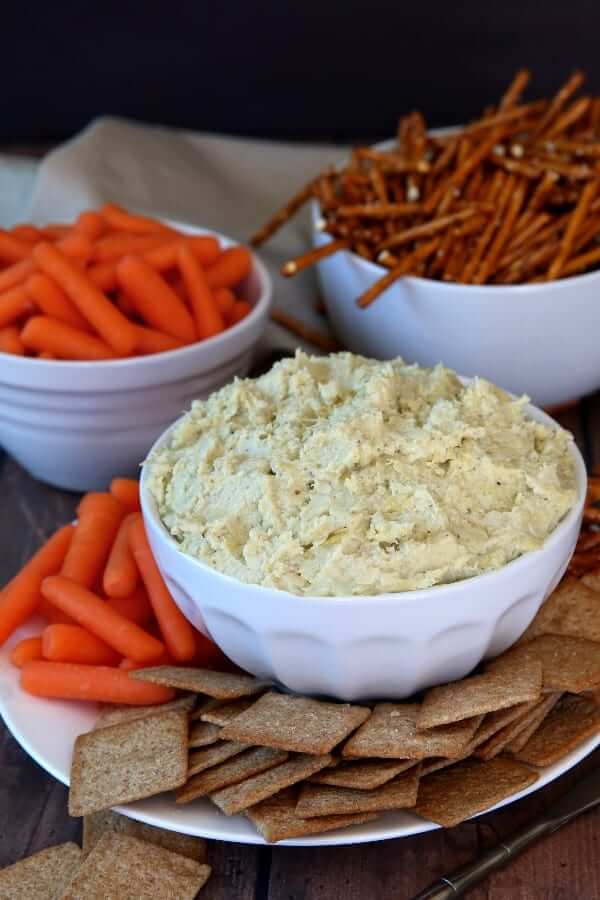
{"type": "Point", "coordinates": [304, 69]}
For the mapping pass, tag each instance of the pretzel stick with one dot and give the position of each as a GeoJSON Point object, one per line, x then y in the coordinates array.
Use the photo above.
{"type": "Point", "coordinates": [283, 215]}
{"type": "Point", "coordinates": [391, 163]}
{"type": "Point", "coordinates": [454, 260]}
{"type": "Point", "coordinates": [564, 94]}
{"type": "Point", "coordinates": [498, 188]}
{"type": "Point", "coordinates": [311, 335]}
{"type": "Point", "coordinates": [576, 171]}
{"type": "Point", "coordinates": [378, 210]}
{"type": "Point", "coordinates": [403, 268]}
{"type": "Point", "coordinates": [577, 217]}
{"type": "Point", "coordinates": [293, 266]}
{"type": "Point", "coordinates": [582, 262]}
{"type": "Point", "coordinates": [515, 89]}
{"type": "Point", "coordinates": [569, 117]}
{"type": "Point", "coordinates": [522, 239]}
{"type": "Point", "coordinates": [577, 148]}
{"type": "Point", "coordinates": [509, 116]}
{"type": "Point", "coordinates": [427, 229]}
{"type": "Point", "coordinates": [489, 263]}
{"type": "Point", "coordinates": [378, 182]}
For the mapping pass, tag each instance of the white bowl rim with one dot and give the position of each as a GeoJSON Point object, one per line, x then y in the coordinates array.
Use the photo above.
{"type": "Point", "coordinates": [149, 510]}
{"type": "Point", "coordinates": [139, 362]}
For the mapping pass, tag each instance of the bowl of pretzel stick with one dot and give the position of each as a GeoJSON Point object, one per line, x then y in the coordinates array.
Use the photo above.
{"type": "Point", "coordinates": [477, 246]}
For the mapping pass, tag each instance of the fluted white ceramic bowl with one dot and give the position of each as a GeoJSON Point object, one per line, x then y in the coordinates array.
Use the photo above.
{"type": "Point", "coordinates": [76, 425]}
{"type": "Point", "coordinates": [356, 648]}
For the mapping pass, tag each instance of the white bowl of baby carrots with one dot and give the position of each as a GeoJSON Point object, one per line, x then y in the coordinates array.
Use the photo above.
{"type": "Point", "coordinates": [109, 328]}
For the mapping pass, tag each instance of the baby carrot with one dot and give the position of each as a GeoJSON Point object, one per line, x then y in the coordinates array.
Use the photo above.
{"type": "Point", "coordinates": [100, 516]}
{"type": "Point", "coordinates": [53, 302]}
{"type": "Point", "coordinates": [121, 219]}
{"type": "Point", "coordinates": [12, 249]}
{"type": "Point", "coordinates": [154, 300]}
{"type": "Point", "coordinates": [164, 257]}
{"type": "Point", "coordinates": [76, 246]}
{"type": "Point", "coordinates": [51, 614]}
{"type": "Point", "coordinates": [26, 650]}
{"type": "Point", "coordinates": [136, 607]}
{"type": "Point", "coordinates": [238, 311]}
{"type": "Point", "coordinates": [28, 233]}
{"type": "Point", "coordinates": [151, 341]}
{"type": "Point", "coordinates": [230, 268]}
{"type": "Point", "coordinates": [10, 341]}
{"type": "Point", "coordinates": [55, 231]}
{"type": "Point", "coordinates": [224, 298]}
{"type": "Point", "coordinates": [70, 681]}
{"type": "Point", "coordinates": [209, 320]}
{"type": "Point", "coordinates": [175, 629]}
{"type": "Point", "coordinates": [127, 492]}
{"type": "Point", "coordinates": [103, 275]}
{"type": "Point", "coordinates": [13, 304]}
{"type": "Point", "coordinates": [71, 246]}
{"type": "Point", "coordinates": [19, 599]}
{"type": "Point", "coordinates": [90, 223]}
{"type": "Point", "coordinates": [111, 325]}
{"type": "Point", "coordinates": [74, 644]}
{"type": "Point", "coordinates": [45, 354]}
{"type": "Point", "coordinates": [16, 274]}
{"type": "Point", "coordinates": [128, 665]}
{"type": "Point", "coordinates": [92, 613]}
{"type": "Point", "coordinates": [205, 248]}
{"type": "Point", "coordinates": [121, 574]}
{"type": "Point", "coordinates": [114, 246]}
{"type": "Point", "coordinates": [208, 655]}
{"type": "Point", "coordinates": [43, 334]}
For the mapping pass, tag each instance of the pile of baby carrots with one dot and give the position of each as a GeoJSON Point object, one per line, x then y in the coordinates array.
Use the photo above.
{"type": "Point", "coordinates": [106, 606]}
{"type": "Point", "coordinates": [115, 284]}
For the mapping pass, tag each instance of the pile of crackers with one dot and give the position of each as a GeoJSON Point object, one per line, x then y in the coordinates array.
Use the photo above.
{"type": "Point", "coordinates": [297, 765]}
{"type": "Point", "coordinates": [120, 858]}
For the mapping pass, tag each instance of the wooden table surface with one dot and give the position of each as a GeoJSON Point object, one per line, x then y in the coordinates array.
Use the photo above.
{"type": "Point", "coordinates": [33, 806]}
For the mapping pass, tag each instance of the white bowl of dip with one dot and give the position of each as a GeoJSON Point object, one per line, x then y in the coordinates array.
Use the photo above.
{"type": "Point", "coordinates": [76, 425]}
{"type": "Point", "coordinates": [360, 647]}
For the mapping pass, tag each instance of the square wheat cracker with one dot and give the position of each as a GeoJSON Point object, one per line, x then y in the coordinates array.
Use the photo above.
{"type": "Point", "coordinates": [323, 800]}
{"type": "Point", "coordinates": [238, 797]}
{"type": "Point", "coordinates": [207, 757]}
{"type": "Point", "coordinates": [452, 795]}
{"type": "Point", "coordinates": [391, 732]}
{"type": "Point", "coordinates": [243, 766]}
{"type": "Point", "coordinates": [276, 818]}
{"type": "Point", "coordinates": [112, 714]}
{"type": "Point", "coordinates": [363, 775]}
{"type": "Point", "coordinates": [572, 609]}
{"type": "Point", "coordinates": [97, 824]}
{"type": "Point", "coordinates": [42, 876]}
{"type": "Point", "coordinates": [295, 723]}
{"type": "Point", "coordinates": [223, 713]}
{"type": "Point", "coordinates": [568, 663]}
{"type": "Point", "coordinates": [128, 762]}
{"type": "Point", "coordinates": [479, 694]}
{"type": "Point", "coordinates": [542, 709]}
{"type": "Point", "coordinates": [202, 734]}
{"type": "Point", "coordinates": [219, 685]}
{"type": "Point", "coordinates": [498, 741]}
{"type": "Point", "coordinates": [125, 867]}
{"type": "Point", "coordinates": [572, 721]}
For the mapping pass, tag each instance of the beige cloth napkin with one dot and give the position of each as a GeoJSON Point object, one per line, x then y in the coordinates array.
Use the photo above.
{"type": "Point", "coordinates": [227, 184]}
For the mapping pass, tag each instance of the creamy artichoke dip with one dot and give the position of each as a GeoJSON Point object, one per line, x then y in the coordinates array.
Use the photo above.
{"type": "Point", "coordinates": [344, 475]}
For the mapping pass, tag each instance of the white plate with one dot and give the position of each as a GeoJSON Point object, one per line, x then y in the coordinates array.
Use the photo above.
{"type": "Point", "coordinates": [46, 729]}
